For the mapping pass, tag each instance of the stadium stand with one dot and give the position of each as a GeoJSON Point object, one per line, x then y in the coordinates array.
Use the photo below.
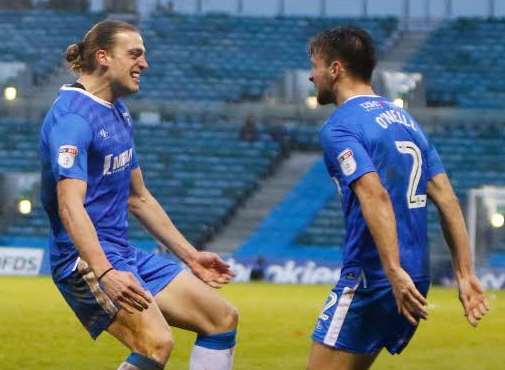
{"type": "Point", "coordinates": [206, 58]}
{"type": "Point", "coordinates": [472, 154]}
{"type": "Point", "coordinates": [327, 228]}
{"type": "Point", "coordinates": [463, 64]}
{"type": "Point", "coordinates": [39, 38]}
{"type": "Point", "coordinates": [199, 172]}
{"type": "Point", "coordinates": [202, 172]}
{"type": "Point", "coordinates": [294, 213]}
{"type": "Point", "coordinates": [227, 58]}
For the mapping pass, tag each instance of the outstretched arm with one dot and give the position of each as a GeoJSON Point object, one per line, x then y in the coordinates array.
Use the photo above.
{"type": "Point", "coordinates": [209, 267]}
{"type": "Point", "coordinates": [471, 293]}
{"type": "Point", "coordinates": [378, 212]}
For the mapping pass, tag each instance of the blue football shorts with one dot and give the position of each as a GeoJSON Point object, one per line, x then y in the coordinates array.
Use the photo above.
{"type": "Point", "coordinates": [93, 307]}
{"type": "Point", "coordinates": [361, 319]}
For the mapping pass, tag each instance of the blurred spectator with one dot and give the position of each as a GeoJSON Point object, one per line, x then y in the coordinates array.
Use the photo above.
{"type": "Point", "coordinates": [249, 132]}
{"type": "Point", "coordinates": [258, 270]}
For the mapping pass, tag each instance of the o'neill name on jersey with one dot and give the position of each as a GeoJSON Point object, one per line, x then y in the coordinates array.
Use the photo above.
{"type": "Point", "coordinates": [117, 163]}
{"type": "Point", "coordinates": [394, 116]}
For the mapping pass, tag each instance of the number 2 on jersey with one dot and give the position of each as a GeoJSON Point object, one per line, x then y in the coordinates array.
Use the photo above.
{"type": "Point", "coordinates": [408, 147]}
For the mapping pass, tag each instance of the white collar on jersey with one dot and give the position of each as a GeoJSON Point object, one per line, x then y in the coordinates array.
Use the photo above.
{"type": "Point", "coordinates": [88, 94]}
{"type": "Point", "coordinates": [360, 96]}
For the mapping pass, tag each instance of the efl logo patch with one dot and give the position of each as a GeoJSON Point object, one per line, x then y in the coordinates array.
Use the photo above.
{"type": "Point", "coordinates": [347, 162]}
{"type": "Point", "coordinates": [371, 105]}
{"type": "Point", "coordinates": [66, 155]}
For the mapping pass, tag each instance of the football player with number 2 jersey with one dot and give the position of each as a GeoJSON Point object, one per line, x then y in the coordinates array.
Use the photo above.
{"type": "Point", "coordinates": [386, 170]}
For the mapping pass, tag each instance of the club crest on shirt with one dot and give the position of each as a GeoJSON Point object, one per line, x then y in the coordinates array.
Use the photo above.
{"type": "Point", "coordinates": [347, 162]}
{"type": "Point", "coordinates": [66, 155]}
{"type": "Point", "coordinates": [104, 134]}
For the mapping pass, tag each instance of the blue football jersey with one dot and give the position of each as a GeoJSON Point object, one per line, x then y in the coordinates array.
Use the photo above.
{"type": "Point", "coordinates": [84, 137]}
{"type": "Point", "coordinates": [371, 134]}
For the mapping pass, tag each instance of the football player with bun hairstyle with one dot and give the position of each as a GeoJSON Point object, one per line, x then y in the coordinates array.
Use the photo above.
{"type": "Point", "coordinates": [91, 178]}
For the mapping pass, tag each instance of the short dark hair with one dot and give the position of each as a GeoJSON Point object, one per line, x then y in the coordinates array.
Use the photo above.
{"type": "Point", "coordinates": [352, 45]}
{"type": "Point", "coordinates": [81, 56]}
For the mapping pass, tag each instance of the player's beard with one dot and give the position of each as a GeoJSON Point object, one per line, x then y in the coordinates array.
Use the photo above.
{"type": "Point", "coordinates": [325, 96]}
{"type": "Point", "coordinates": [125, 87]}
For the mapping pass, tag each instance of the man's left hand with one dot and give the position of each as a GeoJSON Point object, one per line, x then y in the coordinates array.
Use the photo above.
{"type": "Point", "coordinates": [473, 299]}
{"type": "Point", "coordinates": [211, 269]}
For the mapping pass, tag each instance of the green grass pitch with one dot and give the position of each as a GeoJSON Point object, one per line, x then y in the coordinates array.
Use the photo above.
{"type": "Point", "coordinates": [38, 331]}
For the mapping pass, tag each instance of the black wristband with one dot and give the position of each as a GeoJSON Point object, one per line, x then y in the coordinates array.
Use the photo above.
{"type": "Point", "coordinates": [104, 273]}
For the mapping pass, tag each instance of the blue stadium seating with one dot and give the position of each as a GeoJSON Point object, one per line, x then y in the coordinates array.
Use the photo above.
{"type": "Point", "coordinates": [39, 38]}
{"type": "Point", "coordinates": [276, 237]}
{"type": "Point", "coordinates": [200, 173]}
{"type": "Point", "coordinates": [472, 154]}
{"type": "Point", "coordinates": [229, 58]}
{"type": "Point", "coordinates": [204, 58]}
{"type": "Point", "coordinates": [463, 64]}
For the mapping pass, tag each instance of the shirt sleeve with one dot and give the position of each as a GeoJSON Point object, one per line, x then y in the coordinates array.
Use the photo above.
{"type": "Point", "coordinates": [435, 165]}
{"type": "Point", "coordinates": [134, 163]}
{"type": "Point", "coordinates": [345, 151]}
{"type": "Point", "coordinates": [69, 142]}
